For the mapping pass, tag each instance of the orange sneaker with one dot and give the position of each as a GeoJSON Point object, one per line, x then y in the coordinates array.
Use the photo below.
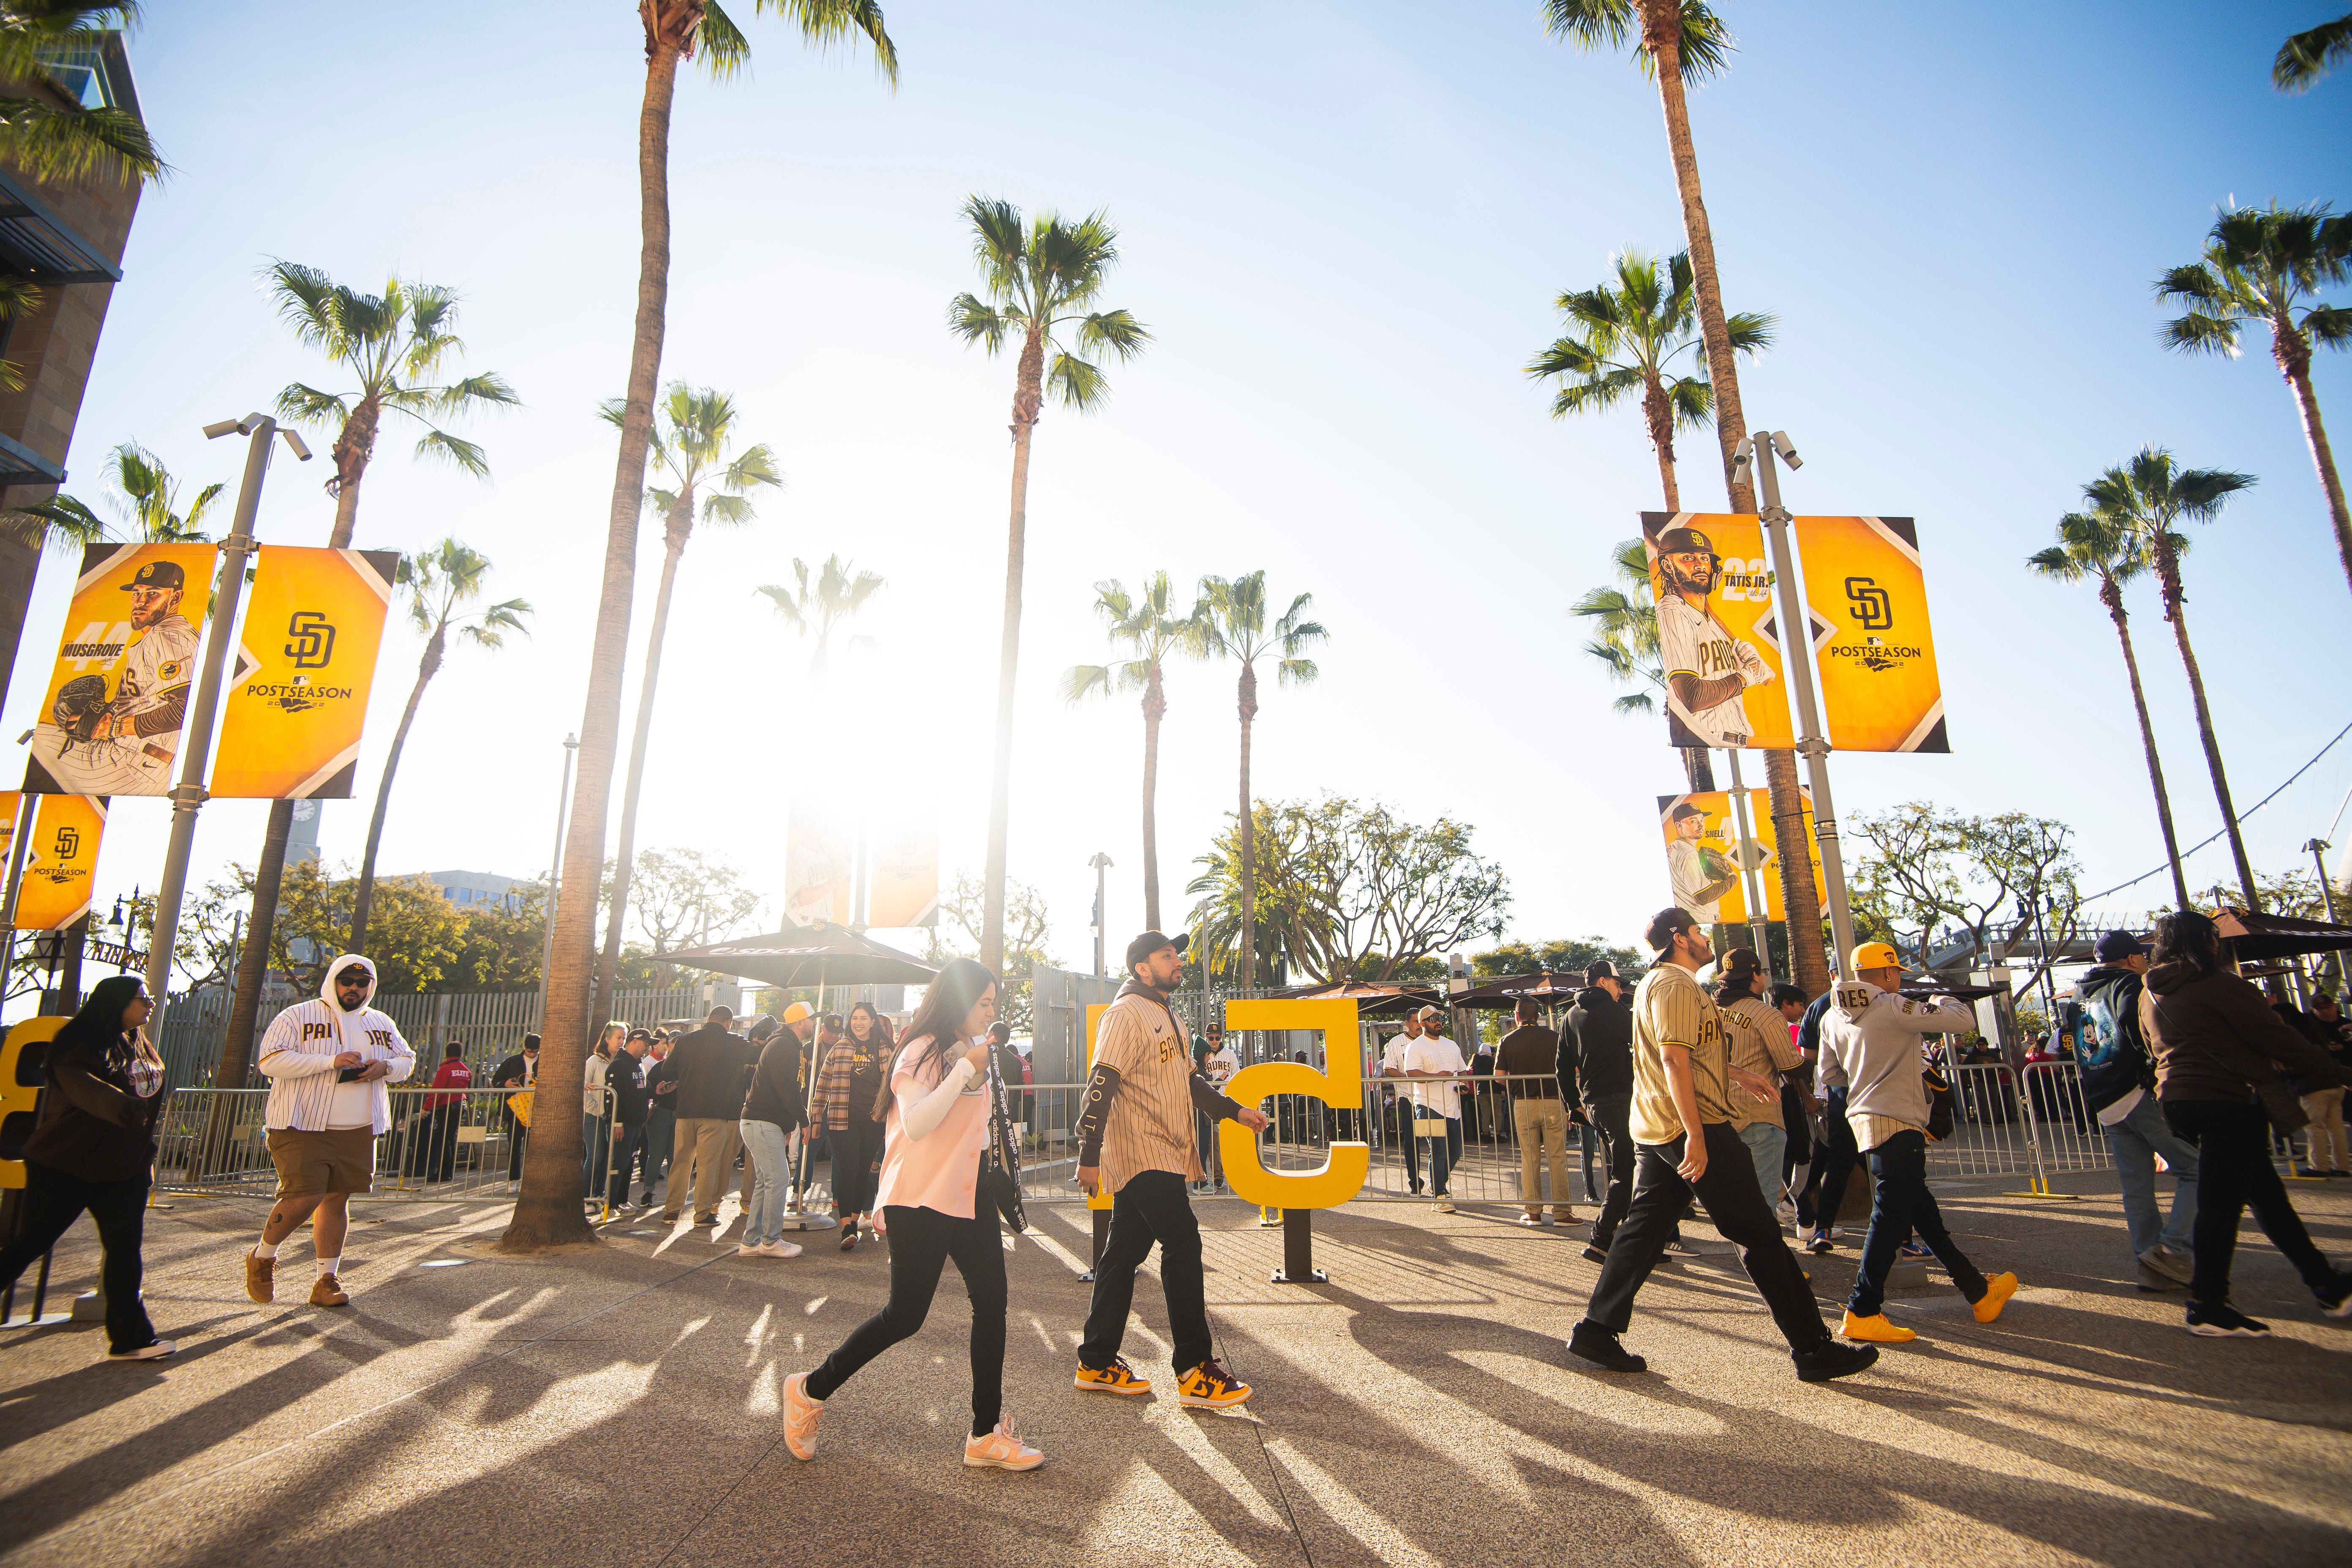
{"type": "Point", "coordinates": [1001, 1450]}
{"type": "Point", "coordinates": [1209, 1387]}
{"type": "Point", "coordinates": [1998, 1291]}
{"type": "Point", "coordinates": [328, 1293]}
{"type": "Point", "coordinates": [800, 1416]}
{"type": "Point", "coordinates": [1117, 1378]}
{"type": "Point", "coordinates": [1875, 1329]}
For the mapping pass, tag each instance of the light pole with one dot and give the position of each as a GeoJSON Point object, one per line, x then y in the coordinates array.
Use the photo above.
{"type": "Point", "coordinates": [2318, 848]}
{"type": "Point", "coordinates": [1101, 863]}
{"type": "Point", "coordinates": [1750, 863]}
{"type": "Point", "coordinates": [555, 874]}
{"type": "Point", "coordinates": [197, 741]}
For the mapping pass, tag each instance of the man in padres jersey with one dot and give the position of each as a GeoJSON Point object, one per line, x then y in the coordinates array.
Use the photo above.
{"type": "Point", "coordinates": [1134, 1136]}
{"type": "Point", "coordinates": [123, 742]}
{"type": "Point", "coordinates": [1707, 668]}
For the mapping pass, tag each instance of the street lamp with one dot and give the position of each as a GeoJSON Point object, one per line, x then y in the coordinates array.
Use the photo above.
{"type": "Point", "coordinates": [1101, 863]}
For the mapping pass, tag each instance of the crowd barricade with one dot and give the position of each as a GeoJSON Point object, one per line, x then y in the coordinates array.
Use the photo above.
{"type": "Point", "coordinates": [445, 1143]}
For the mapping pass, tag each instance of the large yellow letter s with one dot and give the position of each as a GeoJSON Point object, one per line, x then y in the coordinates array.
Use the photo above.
{"type": "Point", "coordinates": [1340, 1086]}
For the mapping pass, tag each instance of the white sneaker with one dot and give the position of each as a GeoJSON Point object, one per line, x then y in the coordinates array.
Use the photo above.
{"type": "Point", "coordinates": [155, 1351]}
{"type": "Point", "coordinates": [1528, 1219]}
{"type": "Point", "coordinates": [1001, 1450]}
{"type": "Point", "coordinates": [769, 1249]}
{"type": "Point", "coordinates": [800, 1416]}
{"type": "Point", "coordinates": [1445, 1205]}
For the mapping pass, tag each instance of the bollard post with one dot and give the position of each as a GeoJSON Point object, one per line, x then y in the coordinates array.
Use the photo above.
{"type": "Point", "coordinates": [1298, 1250]}
{"type": "Point", "coordinates": [1101, 1218]}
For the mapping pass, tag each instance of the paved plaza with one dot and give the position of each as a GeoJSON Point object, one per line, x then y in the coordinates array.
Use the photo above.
{"type": "Point", "coordinates": [618, 1405]}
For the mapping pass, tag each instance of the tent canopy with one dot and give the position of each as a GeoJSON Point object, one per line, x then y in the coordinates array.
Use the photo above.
{"type": "Point", "coordinates": [2257, 936]}
{"type": "Point", "coordinates": [1543, 987]}
{"type": "Point", "coordinates": [1373, 998]}
{"type": "Point", "coordinates": [807, 955]}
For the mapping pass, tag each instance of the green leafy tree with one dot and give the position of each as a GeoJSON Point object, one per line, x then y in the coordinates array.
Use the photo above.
{"type": "Point", "coordinates": [675, 31]}
{"type": "Point", "coordinates": [1623, 340]}
{"type": "Point", "coordinates": [689, 446]}
{"type": "Point", "coordinates": [442, 583]}
{"type": "Point", "coordinates": [837, 594]}
{"type": "Point", "coordinates": [1570, 956]}
{"type": "Point", "coordinates": [1925, 869]}
{"type": "Point", "coordinates": [1147, 628]}
{"type": "Point", "coordinates": [2149, 497]}
{"type": "Point", "coordinates": [144, 495]}
{"type": "Point", "coordinates": [959, 933]}
{"type": "Point", "coordinates": [1039, 278]}
{"type": "Point", "coordinates": [2263, 265]}
{"type": "Point", "coordinates": [2307, 56]}
{"type": "Point", "coordinates": [2096, 548]}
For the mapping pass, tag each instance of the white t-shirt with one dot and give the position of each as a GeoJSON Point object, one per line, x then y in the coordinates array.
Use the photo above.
{"type": "Point", "coordinates": [1392, 1053]}
{"type": "Point", "coordinates": [1435, 1053]}
{"type": "Point", "coordinates": [1692, 642]}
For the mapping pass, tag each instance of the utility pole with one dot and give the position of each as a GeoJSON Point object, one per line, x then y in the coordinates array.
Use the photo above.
{"type": "Point", "coordinates": [1759, 930]}
{"type": "Point", "coordinates": [555, 874]}
{"type": "Point", "coordinates": [196, 744]}
{"type": "Point", "coordinates": [1101, 863]}
{"type": "Point", "coordinates": [2318, 848]}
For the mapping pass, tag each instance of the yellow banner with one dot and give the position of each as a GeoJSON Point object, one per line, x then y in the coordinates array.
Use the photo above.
{"type": "Point", "coordinates": [1719, 641]}
{"type": "Point", "coordinates": [1703, 856]}
{"type": "Point", "coordinates": [820, 861]}
{"type": "Point", "coordinates": [111, 716]}
{"type": "Point", "coordinates": [902, 888]}
{"type": "Point", "coordinates": [59, 863]}
{"type": "Point", "coordinates": [1880, 691]}
{"type": "Point", "coordinates": [292, 718]}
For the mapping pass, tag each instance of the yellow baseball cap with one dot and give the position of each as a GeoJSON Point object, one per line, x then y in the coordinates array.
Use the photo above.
{"type": "Point", "coordinates": [1875, 955]}
{"type": "Point", "coordinates": [799, 1011]}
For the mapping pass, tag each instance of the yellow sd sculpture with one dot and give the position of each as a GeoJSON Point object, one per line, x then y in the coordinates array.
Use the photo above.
{"type": "Point", "coordinates": [1341, 1086]}
{"type": "Point", "coordinates": [18, 1095]}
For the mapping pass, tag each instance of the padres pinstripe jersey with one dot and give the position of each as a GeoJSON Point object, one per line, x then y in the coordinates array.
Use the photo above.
{"type": "Point", "coordinates": [1149, 1125]}
{"type": "Point", "coordinates": [298, 1054]}
{"type": "Point", "coordinates": [1669, 1009]}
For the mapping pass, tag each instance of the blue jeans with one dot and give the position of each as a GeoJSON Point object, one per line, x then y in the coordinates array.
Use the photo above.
{"type": "Point", "coordinates": [1445, 1153]}
{"type": "Point", "coordinates": [1765, 1141]}
{"type": "Point", "coordinates": [764, 1216]}
{"type": "Point", "coordinates": [2135, 1142]}
{"type": "Point", "coordinates": [593, 1152]}
{"type": "Point", "coordinates": [661, 1133]}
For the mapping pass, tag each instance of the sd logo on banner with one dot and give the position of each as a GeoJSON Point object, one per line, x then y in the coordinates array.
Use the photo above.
{"type": "Point", "coordinates": [58, 860]}
{"type": "Point", "coordinates": [291, 719]}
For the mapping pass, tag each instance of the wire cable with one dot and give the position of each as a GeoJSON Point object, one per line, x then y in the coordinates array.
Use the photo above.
{"type": "Point", "coordinates": [2250, 811]}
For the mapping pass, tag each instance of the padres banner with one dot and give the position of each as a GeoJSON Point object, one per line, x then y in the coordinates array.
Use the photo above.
{"type": "Point", "coordinates": [62, 854]}
{"type": "Point", "coordinates": [1880, 691]}
{"type": "Point", "coordinates": [1703, 857]}
{"type": "Point", "coordinates": [290, 721]}
{"type": "Point", "coordinates": [109, 719]}
{"type": "Point", "coordinates": [1719, 634]}
{"type": "Point", "coordinates": [902, 887]}
{"type": "Point", "coordinates": [820, 856]}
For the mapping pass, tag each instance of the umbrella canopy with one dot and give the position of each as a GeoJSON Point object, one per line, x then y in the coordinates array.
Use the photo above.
{"type": "Point", "coordinates": [1543, 987]}
{"type": "Point", "coordinates": [807, 955]}
{"type": "Point", "coordinates": [2251, 935]}
{"type": "Point", "coordinates": [1373, 998]}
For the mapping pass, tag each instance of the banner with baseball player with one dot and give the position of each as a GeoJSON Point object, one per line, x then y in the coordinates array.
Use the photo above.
{"type": "Point", "coordinates": [292, 717]}
{"type": "Point", "coordinates": [1703, 855]}
{"type": "Point", "coordinates": [902, 888]}
{"type": "Point", "coordinates": [116, 701]}
{"type": "Point", "coordinates": [1880, 691]}
{"type": "Point", "coordinates": [59, 862]}
{"type": "Point", "coordinates": [1719, 631]}
{"type": "Point", "coordinates": [819, 857]}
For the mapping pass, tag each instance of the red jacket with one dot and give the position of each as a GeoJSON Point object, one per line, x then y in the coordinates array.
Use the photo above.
{"type": "Point", "coordinates": [453, 1074]}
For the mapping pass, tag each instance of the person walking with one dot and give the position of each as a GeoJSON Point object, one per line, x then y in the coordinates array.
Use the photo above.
{"type": "Point", "coordinates": [796, 1032]}
{"type": "Point", "coordinates": [710, 1064]}
{"type": "Point", "coordinates": [519, 1071]}
{"type": "Point", "coordinates": [92, 1151]}
{"type": "Point", "coordinates": [661, 1112]}
{"type": "Point", "coordinates": [1399, 1107]}
{"type": "Point", "coordinates": [769, 1107]}
{"type": "Point", "coordinates": [1834, 1154]}
{"type": "Point", "coordinates": [2219, 1052]}
{"type": "Point", "coordinates": [432, 1135]}
{"type": "Point", "coordinates": [1875, 1034]}
{"type": "Point", "coordinates": [1527, 1059]}
{"type": "Point", "coordinates": [326, 1109]}
{"type": "Point", "coordinates": [595, 1119]}
{"type": "Point", "coordinates": [1681, 1124]}
{"type": "Point", "coordinates": [1757, 1036]}
{"type": "Point", "coordinates": [1218, 1064]}
{"type": "Point", "coordinates": [1438, 1070]}
{"type": "Point", "coordinates": [935, 1133]}
{"type": "Point", "coordinates": [2324, 1146]}
{"type": "Point", "coordinates": [624, 1078]}
{"type": "Point", "coordinates": [1602, 1026]}
{"type": "Point", "coordinates": [1135, 1142]}
{"type": "Point", "coordinates": [849, 1089]}
{"type": "Point", "coordinates": [2119, 1085]}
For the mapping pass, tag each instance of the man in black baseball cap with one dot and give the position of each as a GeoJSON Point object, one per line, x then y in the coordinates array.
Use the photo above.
{"type": "Point", "coordinates": [1151, 941]}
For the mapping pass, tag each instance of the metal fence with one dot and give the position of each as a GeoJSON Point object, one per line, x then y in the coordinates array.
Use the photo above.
{"type": "Point", "coordinates": [443, 1143]}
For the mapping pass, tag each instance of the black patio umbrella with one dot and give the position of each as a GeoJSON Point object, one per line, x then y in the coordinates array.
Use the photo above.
{"type": "Point", "coordinates": [2257, 936]}
{"type": "Point", "coordinates": [1543, 987]}
{"type": "Point", "coordinates": [1373, 998]}
{"type": "Point", "coordinates": [807, 955]}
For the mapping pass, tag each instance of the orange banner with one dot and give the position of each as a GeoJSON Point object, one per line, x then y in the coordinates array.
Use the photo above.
{"type": "Point", "coordinates": [59, 864]}
{"type": "Point", "coordinates": [291, 718]}
{"type": "Point", "coordinates": [109, 719]}
{"type": "Point", "coordinates": [1703, 855]}
{"type": "Point", "coordinates": [1880, 691]}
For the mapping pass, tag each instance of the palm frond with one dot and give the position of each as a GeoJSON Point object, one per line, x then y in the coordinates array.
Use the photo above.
{"type": "Point", "coordinates": [786, 605]}
{"type": "Point", "coordinates": [1116, 331]}
{"type": "Point", "coordinates": [1634, 703]}
{"type": "Point", "coordinates": [61, 523]}
{"type": "Point", "coordinates": [1080, 384]}
{"type": "Point", "coordinates": [2197, 332]}
{"type": "Point", "coordinates": [976, 322]}
{"type": "Point", "coordinates": [826, 23]}
{"type": "Point", "coordinates": [2329, 325]}
{"type": "Point", "coordinates": [307, 405]}
{"type": "Point", "coordinates": [720, 42]}
{"type": "Point", "coordinates": [456, 450]}
{"type": "Point", "coordinates": [487, 387]}
{"type": "Point", "coordinates": [1081, 681]}
{"type": "Point", "coordinates": [66, 142]}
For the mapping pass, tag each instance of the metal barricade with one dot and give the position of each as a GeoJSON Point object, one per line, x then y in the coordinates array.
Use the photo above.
{"type": "Point", "coordinates": [445, 1143]}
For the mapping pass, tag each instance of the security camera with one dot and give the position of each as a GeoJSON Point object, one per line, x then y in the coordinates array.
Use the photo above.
{"type": "Point", "coordinates": [296, 442]}
{"type": "Point", "coordinates": [1787, 448]}
{"type": "Point", "coordinates": [224, 428]}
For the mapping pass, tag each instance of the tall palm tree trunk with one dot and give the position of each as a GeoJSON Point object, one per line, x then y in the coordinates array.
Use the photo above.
{"type": "Point", "coordinates": [1662, 35]}
{"type": "Point", "coordinates": [1027, 399]}
{"type": "Point", "coordinates": [2205, 733]}
{"type": "Point", "coordinates": [548, 1210]}
{"type": "Point", "coordinates": [1249, 709]}
{"type": "Point", "coordinates": [2148, 743]}
{"type": "Point", "coordinates": [2293, 354]}
{"type": "Point", "coordinates": [364, 894]}
{"type": "Point", "coordinates": [608, 968]}
{"type": "Point", "coordinates": [1155, 708]}
{"type": "Point", "coordinates": [1699, 768]}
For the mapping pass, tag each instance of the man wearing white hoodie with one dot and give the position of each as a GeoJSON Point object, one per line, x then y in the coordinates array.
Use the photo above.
{"type": "Point", "coordinates": [1873, 1035]}
{"type": "Point", "coordinates": [326, 1062]}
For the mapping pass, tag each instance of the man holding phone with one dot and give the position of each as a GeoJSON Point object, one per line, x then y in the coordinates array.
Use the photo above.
{"type": "Point", "coordinates": [326, 1062]}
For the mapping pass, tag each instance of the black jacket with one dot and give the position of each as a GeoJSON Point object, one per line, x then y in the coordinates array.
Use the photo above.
{"type": "Point", "coordinates": [2118, 1061]}
{"type": "Point", "coordinates": [92, 1126]}
{"type": "Point", "coordinates": [711, 1065]}
{"type": "Point", "coordinates": [625, 1076]}
{"type": "Point", "coordinates": [510, 1072]}
{"type": "Point", "coordinates": [1602, 1027]}
{"type": "Point", "coordinates": [775, 1093]}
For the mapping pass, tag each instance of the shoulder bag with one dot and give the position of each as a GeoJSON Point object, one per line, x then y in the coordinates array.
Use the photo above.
{"type": "Point", "coordinates": [1000, 1162]}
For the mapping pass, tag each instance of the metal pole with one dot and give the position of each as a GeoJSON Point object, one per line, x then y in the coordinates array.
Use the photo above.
{"type": "Point", "coordinates": [1796, 655]}
{"type": "Point", "coordinates": [2319, 848]}
{"type": "Point", "coordinates": [197, 741]}
{"type": "Point", "coordinates": [1758, 927]}
{"type": "Point", "coordinates": [1101, 862]}
{"type": "Point", "coordinates": [555, 874]}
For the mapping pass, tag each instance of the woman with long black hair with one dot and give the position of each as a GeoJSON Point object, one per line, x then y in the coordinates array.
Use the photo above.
{"type": "Point", "coordinates": [2218, 1046]}
{"type": "Point", "coordinates": [934, 1133]}
{"type": "Point", "coordinates": [849, 1088]}
{"type": "Point", "coordinates": [93, 1151]}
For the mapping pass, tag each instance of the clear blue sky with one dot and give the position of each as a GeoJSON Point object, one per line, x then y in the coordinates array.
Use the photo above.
{"type": "Point", "coordinates": [1345, 224]}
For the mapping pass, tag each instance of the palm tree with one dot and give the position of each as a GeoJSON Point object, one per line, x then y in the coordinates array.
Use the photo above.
{"type": "Point", "coordinates": [2262, 265]}
{"type": "Point", "coordinates": [1040, 276]}
{"type": "Point", "coordinates": [689, 447]}
{"type": "Point", "coordinates": [2147, 498]}
{"type": "Point", "coordinates": [1625, 639]}
{"type": "Point", "coordinates": [1148, 628]}
{"type": "Point", "coordinates": [145, 496]}
{"type": "Point", "coordinates": [2306, 56]}
{"type": "Point", "coordinates": [1234, 625]}
{"type": "Point", "coordinates": [675, 30]}
{"type": "Point", "coordinates": [839, 591]}
{"type": "Point", "coordinates": [396, 345]}
{"type": "Point", "coordinates": [1623, 338]}
{"type": "Point", "coordinates": [441, 582]}
{"type": "Point", "coordinates": [1678, 42]}
{"type": "Point", "coordinates": [2094, 546]}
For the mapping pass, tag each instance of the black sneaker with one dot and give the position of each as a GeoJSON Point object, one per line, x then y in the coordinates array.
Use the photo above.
{"type": "Point", "coordinates": [2336, 1300]}
{"type": "Point", "coordinates": [1821, 1245]}
{"type": "Point", "coordinates": [2225, 1322]}
{"type": "Point", "coordinates": [1678, 1248]}
{"type": "Point", "coordinates": [1595, 1252]}
{"type": "Point", "coordinates": [1596, 1344]}
{"type": "Point", "coordinates": [1831, 1358]}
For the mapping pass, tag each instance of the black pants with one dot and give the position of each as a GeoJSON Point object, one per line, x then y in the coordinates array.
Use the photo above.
{"type": "Point", "coordinates": [1610, 1115]}
{"type": "Point", "coordinates": [1151, 1207]}
{"type": "Point", "coordinates": [921, 1241]}
{"type": "Point", "coordinates": [628, 1147]}
{"type": "Point", "coordinates": [2233, 1171]}
{"type": "Point", "coordinates": [52, 1202]}
{"type": "Point", "coordinates": [856, 1149]}
{"type": "Point", "coordinates": [1400, 1117]}
{"type": "Point", "coordinates": [1901, 1203]}
{"type": "Point", "coordinates": [1735, 1202]}
{"type": "Point", "coordinates": [1835, 1157]}
{"type": "Point", "coordinates": [517, 1133]}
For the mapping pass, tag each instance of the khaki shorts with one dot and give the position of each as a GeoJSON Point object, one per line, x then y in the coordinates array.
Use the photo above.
{"type": "Point", "coordinates": [341, 1160]}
